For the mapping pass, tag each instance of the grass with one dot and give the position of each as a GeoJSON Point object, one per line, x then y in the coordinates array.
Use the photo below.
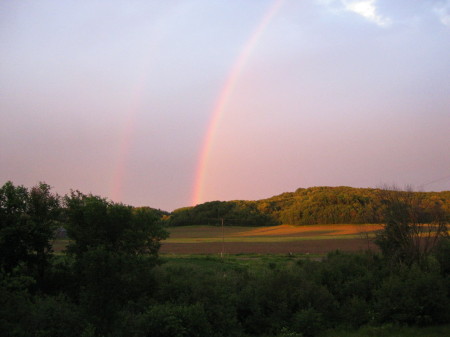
{"type": "Point", "coordinates": [250, 262]}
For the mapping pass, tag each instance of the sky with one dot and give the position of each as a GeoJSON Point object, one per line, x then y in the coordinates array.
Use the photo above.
{"type": "Point", "coordinates": [173, 103]}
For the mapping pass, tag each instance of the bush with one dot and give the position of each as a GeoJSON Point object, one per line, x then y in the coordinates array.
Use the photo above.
{"type": "Point", "coordinates": [413, 296]}
{"type": "Point", "coordinates": [55, 316]}
{"type": "Point", "coordinates": [171, 320]}
{"type": "Point", "coordinates": [308, 322]}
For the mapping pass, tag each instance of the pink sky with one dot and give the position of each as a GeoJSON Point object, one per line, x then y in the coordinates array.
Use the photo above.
{"type": "Point", "coordinates": [117, 98]}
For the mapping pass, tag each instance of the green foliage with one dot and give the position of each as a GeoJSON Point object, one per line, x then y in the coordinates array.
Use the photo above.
{"type": "Point", "coordinates": [22, 314]}
{"type": "Point", "coordinates": [214, 289]}
{"type": "Point", "coordinates": [111, 283]}
{"type": "Point", "coordinates": [391, 330]}
{"type": "Point", "coordinates": [349, 275]}
{"type": "Point", "coordinates": [344, 290]}
{"type": "Point", "coordinates": [55, 316]}
{"type": "Point", "coordinates": [94, 222]}
{"type": "Point", "coordinates": [237, 213]}
{"type": "Point", "coordinates": [338, 205]}
{"type": "Point", "coordinates": [106, 281]}
{"type": "Point", "coordinates": [314, 205]}
{"type": "Point", "coordinates": [323, 205]}
{"type": "Point", "coordinates": [169, 320]}
{"type": "Point", "coordinates": [28, 219]}
{"type": "Point", "coordinates": [15, 303]}
{"type": "Point", "coordinates": [442, 253]}
{"type": "Point", "coordinates": [114, 247]}
{"type": "Point", "coordinates": [412, 227]}
{"type": "Point", "coordinates": [119, 295]}
{"type": "Point", "coordinates": [413, 296]}
{"type": "Point", "coordinates": [309, 322]}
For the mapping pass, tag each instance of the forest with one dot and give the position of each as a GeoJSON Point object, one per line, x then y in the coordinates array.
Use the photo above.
{"type": "Point", "coordinates": [111, 280]}
{"type": "Point", "coordinates": [305, 206]}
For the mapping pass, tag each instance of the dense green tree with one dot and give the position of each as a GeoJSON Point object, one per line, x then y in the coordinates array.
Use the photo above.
{"type": "Point", "coordinates": [15, 304]}
{"type": "Point", "coordinates": [442, 253]}
{"type": "Point", "coordinates": [412, 227]}
{"type": "Point", "coordinates": [107, 281]}
{"type": "Point", "coordinates": [94, 222]}
{"type": "Point", "coordinates": [168, 320]}
{"type": "Point", "coordinates": [230, 213]}
{"type": "Point", "coordinates": [28, 219]}
{"type": "Point", "coordinates": [338, 205]}
{"type": "Point", "coordinates": [314, 205]}
{"type": "Point", "coordinates": [114, 247]}
{"type": "Point", "coordinates": [412, 295]}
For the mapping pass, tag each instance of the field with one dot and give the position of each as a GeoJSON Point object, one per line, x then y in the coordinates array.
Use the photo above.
{"type": "Point", "coordinates": [283, 239]}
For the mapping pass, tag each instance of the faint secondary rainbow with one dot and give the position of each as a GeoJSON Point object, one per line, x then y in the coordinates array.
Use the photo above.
{"type": "Point", "coordinates": [119, 168]}
{"type": "Point", "coordinates": [127, 136]}
{"type": "Point", "coordinates": [224, 97]}
{"type": "Point", "coordinates": [118, 175]}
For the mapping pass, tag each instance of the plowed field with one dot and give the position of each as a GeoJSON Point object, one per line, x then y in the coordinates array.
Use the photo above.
{"type": "Point", "coordinates": [284, 239]}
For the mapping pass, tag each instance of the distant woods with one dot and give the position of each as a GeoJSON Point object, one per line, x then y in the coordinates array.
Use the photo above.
{"type": "Point", "coordinates": [315, 205]}
{"type": "Point", "coordinates": [228, 213]}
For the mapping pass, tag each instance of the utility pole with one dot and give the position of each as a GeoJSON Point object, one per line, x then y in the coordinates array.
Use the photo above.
{"type": "Point", "coordinates": [223, 239]}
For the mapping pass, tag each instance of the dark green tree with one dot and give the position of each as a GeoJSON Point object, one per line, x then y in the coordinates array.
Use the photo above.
{"type": "Point", "coordinates": [232, 213]}
{"type": "Point", "coordinates": [413, 227]}
{"type": "Point", "coordinates": [28, 220]}
{"type": "Point", "coordinates": [115, 248]}
{"type": "Point", "coordinates": [94, 222]}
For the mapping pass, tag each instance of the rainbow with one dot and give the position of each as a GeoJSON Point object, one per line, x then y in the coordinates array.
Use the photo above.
{"type": "Point", "coordinates": [119, 167]}
{"type": "Point", "coordinates": [224, 97]}
{"type": "Point", "coordinates": [126, 138]}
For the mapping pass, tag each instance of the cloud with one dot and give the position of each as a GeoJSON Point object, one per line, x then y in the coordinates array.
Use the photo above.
{"type": "Point", "coordinates": [442, 10]}
{"type": "Point", "coordinates": [366, 8]}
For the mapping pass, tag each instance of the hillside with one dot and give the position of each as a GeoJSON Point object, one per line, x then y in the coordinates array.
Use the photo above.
{"type": "Point", "coordinates": [305, 206]}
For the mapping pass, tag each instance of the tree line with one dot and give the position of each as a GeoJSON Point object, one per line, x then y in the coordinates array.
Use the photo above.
{"type": "Point", "coordinates": [305, 206]}
{"type": "Point", "coordinates": [230, 213]}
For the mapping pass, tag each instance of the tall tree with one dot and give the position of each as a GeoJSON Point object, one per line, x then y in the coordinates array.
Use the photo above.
{"type": "Point", "coordinates": [114, 247]}
{"type": "Point", "coordinates": [94, 222]}
{"type": "Point", "coordinates": [28, 219]}
{"type": "Point", "coordinates": [413, 226]}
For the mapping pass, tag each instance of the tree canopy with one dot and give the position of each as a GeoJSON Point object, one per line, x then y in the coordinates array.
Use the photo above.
{"type": "Point", "coordinates": [413, 227]}
{"type": "Point", "coordinates": [94, 222]}
{"type": "Point", "coordinates": [305, 206]}
{"type": "Point", "coordinates": [28, 219]}
{"type": "Point", "coordinates": [237, 213]}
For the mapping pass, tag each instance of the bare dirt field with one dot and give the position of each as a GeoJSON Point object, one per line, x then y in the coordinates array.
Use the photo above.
{"type": "Point", "coordinates": [284, 239]}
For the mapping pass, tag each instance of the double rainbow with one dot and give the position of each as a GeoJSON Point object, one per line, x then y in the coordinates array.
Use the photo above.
{"type": "Point", "coordinates": [223, 99]}
{"type": "Point", "coordinates": [216, 115]}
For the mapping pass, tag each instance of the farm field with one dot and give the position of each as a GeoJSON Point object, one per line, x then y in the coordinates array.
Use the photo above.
{"type": "Point", "coordinates": [283, 239]}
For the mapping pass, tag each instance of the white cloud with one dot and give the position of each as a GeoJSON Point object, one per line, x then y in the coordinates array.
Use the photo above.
{"type": "Point", "coordinates": [442, 10]}
{"type": "Point", "coordinates": [368, 10]}
{"type": "Point", "coordinates": [365, 8]}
